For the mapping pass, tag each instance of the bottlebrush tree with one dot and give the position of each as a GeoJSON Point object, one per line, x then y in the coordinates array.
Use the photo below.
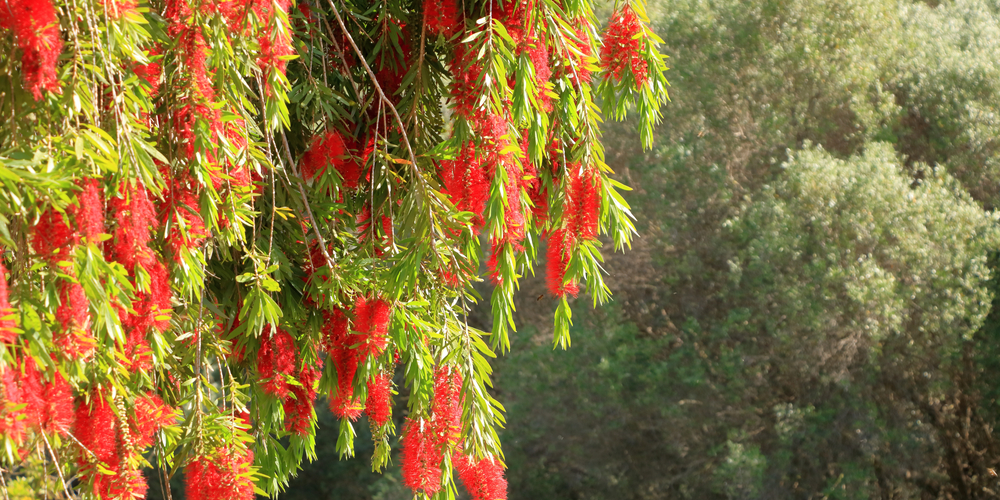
{"type": "Point", "coordinates": [213, 213]}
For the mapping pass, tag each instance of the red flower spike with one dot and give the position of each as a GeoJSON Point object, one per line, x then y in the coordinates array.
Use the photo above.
{"type": "Point", "coordinates": [53, 238]}
{"type": "Point", "coordinates": [421, 458]}
{"type": "Point", "coordinates": [135, 217]}
{"type": "Point", "coordinates": [483, 478]}
{"type": "Point", "coordinates": [376, 335]}
{"type": "Point", "coordinates": [151, 413]}
{"type": "Point", "coordinates": [299, 407]}
{"type": "Point", "coordinates": [117, 9]}
{"type": "Point", "coordinates": [180, 212]}
{"type": "Point", "coordinates": [331, 149]}
{"type": "Point", "coordinates": [36, 30]}
{"type": "Point", "coordinates": [446, 411]}
{"type": "Point", "coordinates": [557, 259]}
{"type": "Point", "coordinates": [466, 184]}
{"type": "Point", "coordinates": [336, 328]}
{"type": "Point", "coordinates": [32, 392]}
{"type": "Point", "coordinates": [150, 73]}
{"type": "Point", "coordinates": [12, 424]}
{"type": "Point", "coordinates": [57, 413]}
{"type": "Point", "coordinates": [73, 314]}
{"type": "Point", "coordinates": [96, 429]}
{"type": "Point", "coordinates": [7, 313]}
{"type": "Point", "coordinates": [583, 202]}
{"type": "Point", "coordinates": [579, 73]}
{"type": "Point", "coordinates": [622, 45]}
{"type": "Point", "coordinates": [90, 216]}
{"type": "Point", "coordinates": [466, 88]}
{"type": "Point", "coordinates": [49, 406]}
{"type": "Point", "coordinates": [442, 17]}
{"type": "Point", "coordinates": [275, 359]}
{"type": "Point", "coordinates": [221, 477]}
{"type": "Point", "coordinates": [378, 407]}
{"type": "Point", "coordinates": [539, 53]}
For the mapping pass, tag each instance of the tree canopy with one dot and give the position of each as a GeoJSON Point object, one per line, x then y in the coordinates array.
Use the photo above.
{"type": "Point", "coordinates": [212, 212]}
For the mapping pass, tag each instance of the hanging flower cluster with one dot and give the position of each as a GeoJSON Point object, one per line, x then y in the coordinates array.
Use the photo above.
{"type": "Point", "coordinates": [483, 478]}
{"type": "Point", "coordinates": [236, 210]}
{"type": "Point", "coordinates": [224, 475]}
{"type": "Point", "coordinates": [581, 215]}
{"type": "Point", "coordinates": [623, 45]}
{"type": "Point", "coordinates": [442, 17]}
{"type": "Point", "coordinates": [111, 445]}
{"type": "Point", "coordinates": [346, 349]}
{"type": "Point", "coordinates": [36, 30]}
{"type": "Point", "coordinates": [427, 441]}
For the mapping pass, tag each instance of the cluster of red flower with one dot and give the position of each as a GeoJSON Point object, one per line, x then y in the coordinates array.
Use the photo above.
{"type": "Point", "coordinates": [222, 476]}
{"type": "Point", "coordinates": [36, 30]}
{"type": "Point", "coordinates": [581, 211]}
{"type": "Point", "coordinates": [482, 477]}
{"type": "Point", "coordinates": [136, 219]}
{"type": "Point", "coordinates": [622, 45]}
{"type": "Point", "coordinates": [328, 149]}
{"type": "Point", "coordinates": [442, 17]}
{"type": "Point", "coordinates": [31, 404]}
{"type": "Point", "coordinates": [426, 441]}
{"type": "Point", "coordinates": [346, 350]}
{"type": "Point", "coordinates": [115, 442]}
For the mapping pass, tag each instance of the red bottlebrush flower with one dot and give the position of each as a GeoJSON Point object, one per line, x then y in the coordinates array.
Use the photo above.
{"type": "Point", "coordinates": [224, 476]}
{"type": "Point", "coordinates": [421, 458]}
{"type": "Point", "coordinates": [135, 216]}
{"type": "Point", "coordinates": [180, 212]}
{"type": "Point", "coordinates": [583, 202]}
{"type": "Point", "coordinates": [622, 45]}
{"type": "Point", "coordinates": [52, 237]}
{"type": "Point", "coordinates": [275, 359]}
{"type": "Point", "coordinates": [465, 182]}
{"type": "Point", "coordinates": [442, 17]}
{"type": "Point", "coordinates": [483, 478]}
{"type": "Point", "coordinates": [514, 15]}
{"type": "Point", "coordinates": [49, 406]}
{"type": "Point", "coordinates": [151, 413]}
{"type": "Point", "coordinates": [557, 258]}
{"type": "Point", "coordinates": [32, 392]}
{"type": "Point", "coordinates": [12, 424]}
{"type": "Point", "coordinates": [151, 73]}
{"type": "Point", "coordinates": [539, 54]}
{"type": "Point", "coordinates": [331, 149]}
{"type": "Point", "coordinates": [73, 314]}
{"type": "Point", "coordinates": [336, 328]}
{"type": "Point", "coordinates": [371, 321]}
{"type": "Point", "coordinates": [57, 413]}
{"type": "Point", "coordinates": [36, 30]}
{"type": "Point", "coordinates": [378, 406]}
{"type": "Point", "coordinates": [96, 428]}
{"type": "Point", "coordinates": [493, 264]}
{"type": "Point", "coordinates": [299, 407]}
{"type": "Point", "coordinates": [7, 313]}
{"type": "Point", "coordinates": [90, 216]}
{"type": "Point", "coordinates": [447, 407]}
{"type": "Point", "coordinates": [466, 88]}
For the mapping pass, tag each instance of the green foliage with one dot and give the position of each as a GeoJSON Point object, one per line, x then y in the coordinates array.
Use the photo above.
{"type": "Point", "coordinates": [838, 256]}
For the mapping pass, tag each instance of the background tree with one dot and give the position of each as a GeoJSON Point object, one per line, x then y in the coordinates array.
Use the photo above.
{"type": "Point", "coordinates": [213, 212]}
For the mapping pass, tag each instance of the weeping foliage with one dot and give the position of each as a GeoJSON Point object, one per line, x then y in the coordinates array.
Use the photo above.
{"type": "Point", "coordinates": [215, 212]}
